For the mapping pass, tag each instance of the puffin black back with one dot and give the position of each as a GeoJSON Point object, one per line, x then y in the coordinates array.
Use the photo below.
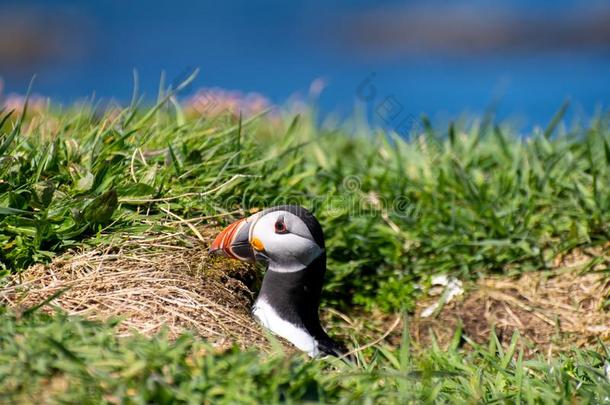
{"type": "Point", "coordinates": [296, 298]}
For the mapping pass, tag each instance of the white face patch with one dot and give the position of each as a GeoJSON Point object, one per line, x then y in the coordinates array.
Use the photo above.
{"type": "Point", "coordinates": [295, 335]}
{"type": "Point", "coordinates": [290, 251]}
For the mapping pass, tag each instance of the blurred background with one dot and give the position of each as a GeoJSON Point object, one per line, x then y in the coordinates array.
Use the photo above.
{"type": "Point", "coordinates": [436, 57]}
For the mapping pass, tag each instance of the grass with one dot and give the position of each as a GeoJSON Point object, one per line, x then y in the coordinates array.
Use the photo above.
{"type": "Point", "coordinates": [476, 201]}
{"type": "Point", "coordinates": [471, 200]}
{"type": "Point", "coordinates": [71, 360]}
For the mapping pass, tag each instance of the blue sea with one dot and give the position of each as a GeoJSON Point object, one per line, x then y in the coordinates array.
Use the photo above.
{"type": "Point", "coordinates": [279, 48]}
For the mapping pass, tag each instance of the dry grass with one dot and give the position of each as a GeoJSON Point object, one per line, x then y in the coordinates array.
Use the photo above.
{"type": "Point", "coordinates": [170, 281]}
{"type": "Point", "coordinates": [566, 306]}
{"type": "Point", "coordinates": [152, 282]}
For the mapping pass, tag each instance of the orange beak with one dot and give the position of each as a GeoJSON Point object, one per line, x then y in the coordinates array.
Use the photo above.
{"type": "Point", "coordinates": [234, 241]}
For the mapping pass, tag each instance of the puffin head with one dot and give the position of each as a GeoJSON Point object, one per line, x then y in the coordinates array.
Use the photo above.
{"type": "Point", "coordinates": [286, 238]}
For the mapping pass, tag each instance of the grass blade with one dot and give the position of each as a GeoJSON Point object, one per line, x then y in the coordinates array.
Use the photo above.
{"type": "Point", "coordinates": [556, 119]}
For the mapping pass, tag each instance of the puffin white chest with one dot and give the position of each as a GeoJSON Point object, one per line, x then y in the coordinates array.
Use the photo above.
{"type": "Point", "coordinates": [270, 319]}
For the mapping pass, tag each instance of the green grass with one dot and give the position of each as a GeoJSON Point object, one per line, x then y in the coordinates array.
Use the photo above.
{"type": "Point", "coordinates": [70, 360]}
{"type": "Point", "coordinates": [469, 200]}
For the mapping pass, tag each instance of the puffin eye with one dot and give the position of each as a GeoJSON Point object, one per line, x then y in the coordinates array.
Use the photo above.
{"type": "Point", "coordinates": [280, 226]}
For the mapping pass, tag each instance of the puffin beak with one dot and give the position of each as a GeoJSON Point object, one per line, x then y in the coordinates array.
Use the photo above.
{"type": "Point", "coordinates": [234, 241]}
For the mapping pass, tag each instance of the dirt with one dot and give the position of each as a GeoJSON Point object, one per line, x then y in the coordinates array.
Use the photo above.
{"type": "Point", "coordinates": [566, 306]}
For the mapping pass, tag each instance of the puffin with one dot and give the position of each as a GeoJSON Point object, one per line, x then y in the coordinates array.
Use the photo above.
{"type": "Point", "coordinates": [288, 240]}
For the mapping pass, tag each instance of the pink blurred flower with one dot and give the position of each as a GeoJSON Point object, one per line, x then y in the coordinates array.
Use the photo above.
{"type": "Point", "coordinates": [214, 101]}
{"type": "Point", "coordinates": [16, 102]}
